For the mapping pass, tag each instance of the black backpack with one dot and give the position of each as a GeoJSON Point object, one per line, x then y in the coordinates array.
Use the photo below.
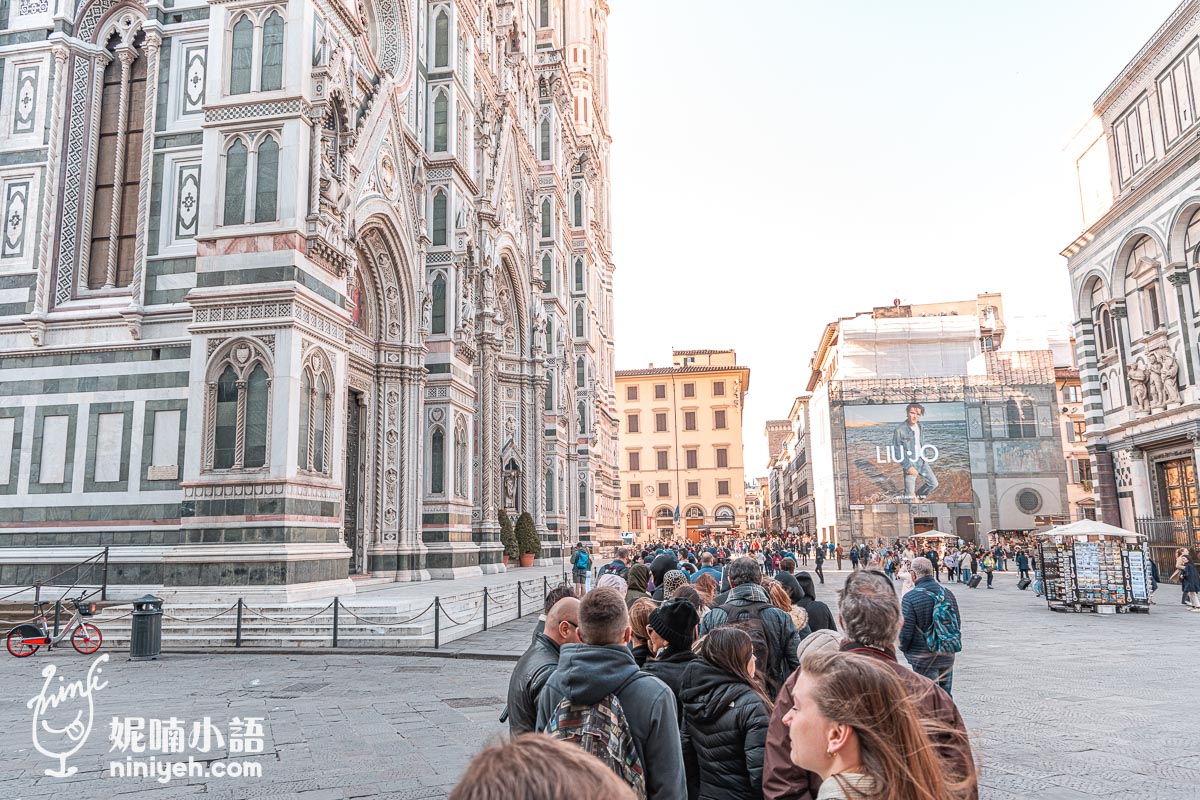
{"type": "Point", "coordinates": [749, 618]}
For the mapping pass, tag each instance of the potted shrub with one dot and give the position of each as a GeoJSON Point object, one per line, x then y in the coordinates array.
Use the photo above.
{"type": "Point", "coordinates": [508, 538]}
{"type": "Point", "coordinates": [527, 539]}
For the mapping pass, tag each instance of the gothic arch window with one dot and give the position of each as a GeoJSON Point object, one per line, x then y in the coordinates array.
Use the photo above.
{"type": "Point", "coordinates": [440, 234]}
{"type": "Point", "coordinates": [437, 461]}
{"type": "Point", "coordinates": [439, 304]}
{"type": "Point", "coordinates": [271, 70]}
{"type": "Point", "coordinates": [580, 372]}
{"type": "Point", "coordinates": [550, 490]}
{"type": "Point", "coordinates": [550, 336]}
{"type": "Point", "coordinates": [544, 137]}
{"type": "Point", "coordinates": [316, 414]}
{"type": "Point", "coordinates": [1144, 302]}
{"type": "Point", "coordinates": [580, 331]}
{"type": "Point", "coordinates": [544, 13]}
{"type": "Point", "coordinates": [583, 420]}
{"type": "Point", "coordinates": [460, 459]}
{"type": "Point", "coordinates": [579, 274]}
{"type": "Point", "coordinates": [237, 420]}
{"type": "Point", "coordinates": [547, 271]}
{"type": "Point", "coordinates": [251, 155]}
{"type": "Point", "coordinates": [441, 39]}
{"type": "Point", "coordinates": [546, 219]}
{"type": "Point", "coordinates": [118, 166]}
{"type": "Point", "coordinates": [577, 209]}
{"type": "Point", "coordinates": [583, 498]}
{"type": "Point", "coordinates": [441, 121]}
{"type": "Point", "coordinates": [549, 404]}
{"type": "Point", "coordinates": [256, 51]}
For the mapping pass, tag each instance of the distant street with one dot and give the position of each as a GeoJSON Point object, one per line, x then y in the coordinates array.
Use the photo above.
{"type": "Point", "coordinates": [1060, 707]}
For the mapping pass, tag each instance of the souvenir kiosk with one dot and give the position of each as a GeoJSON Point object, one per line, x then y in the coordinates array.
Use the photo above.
{"type": "Point", "coordinates": [1091, 566]}
{"type": "Point", "coordinates": [922, 543]}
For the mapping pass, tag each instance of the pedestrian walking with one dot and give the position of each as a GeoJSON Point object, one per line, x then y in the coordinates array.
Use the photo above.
{"type": "Point", "coordinates": [728, 713]}
{"type": "Point", "coordinates": [819, 561]}
{"type": "Point", "coordinates": [853, 723]}
{"type": "Point", "coordinates": [838, 550]}
{"type": "Point", "coordinates": [538, 662]}
{"type": "Point", "coordinates": [966, 565]}
{"type": "Point", "coordinates": [932, 631]}
{"type": "Point", "coordinates": [599, 696]}
{"type": "Point", "coordinates": [989, 566]}
{"type": "Point", "coordinates": [819, 615]}
{"type": "Point", "coordinates": [870, 616]}
{"type": "Point", "coordinates": [1190, 579]}
{"type": "Point", "coordinates": [854, 557]}
{"type": "Point", "coordinates": [1022, 565]}
{"type": "Point", "coordinates": [580, 564]}
{"type": "Point", "coordinates": [951, 564]}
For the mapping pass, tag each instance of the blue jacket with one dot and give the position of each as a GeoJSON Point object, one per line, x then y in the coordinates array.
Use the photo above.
{"type": "Point", "coordinates": [716, 573]}
{"type": "Point", "coordinates": [917, 606]}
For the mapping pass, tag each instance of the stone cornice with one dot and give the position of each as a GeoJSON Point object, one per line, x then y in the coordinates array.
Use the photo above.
{"type": "Point", "coordinates": [1151, 55]}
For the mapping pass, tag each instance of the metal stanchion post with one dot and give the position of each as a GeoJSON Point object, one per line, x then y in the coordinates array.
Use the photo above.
{"type": "Point", "coordinates": [485, 597]}
{"type": "Point", "coordinates": [57, 615]}
{"type": "Point", "coordinates": [437, 622]}
{"type": "Point", "coordinates": [104, 584]}
{"type": "Point", "coordinates": [545, 585]}
{"type": "Point", "coordinates": [336, 604]}
{"type": "Point", "coordinates": [518, 599]}
{"type": "Point", "coordinates": [238, 641]}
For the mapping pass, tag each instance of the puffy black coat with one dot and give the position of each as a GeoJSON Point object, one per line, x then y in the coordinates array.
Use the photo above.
{"type": "Point", "coordinates": [725, 728]}
{"type": "Point", "coordinates": [669, 667]}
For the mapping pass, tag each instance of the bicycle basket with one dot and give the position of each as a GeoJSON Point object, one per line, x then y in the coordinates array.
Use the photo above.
{"type": "Point", "coordinates": [86, 609]}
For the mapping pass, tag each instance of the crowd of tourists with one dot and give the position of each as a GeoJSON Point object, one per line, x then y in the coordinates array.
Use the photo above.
{"type": "Point", "coordinates": [712, 671]}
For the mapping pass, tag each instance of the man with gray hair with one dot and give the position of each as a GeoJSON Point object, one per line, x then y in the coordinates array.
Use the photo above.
{"type": "Point", "coordinates": [771, 629]}
{"type": "Point", "coordinates": [921, 641]}
{"type": "Point", "coordinates": [869, 613]}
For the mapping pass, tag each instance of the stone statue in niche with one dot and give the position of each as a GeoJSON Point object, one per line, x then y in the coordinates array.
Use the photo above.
{"type": "Point", "coordinates": [1156, 382]}
{"type": "Point", "coordinates": [510, 487]}
{"type": "Point", "coordinates": [426, 313]}
{"type": "Point", "coordinates": [1139, 379]}
{"type": "Point", "coordinates": [1170, 377]}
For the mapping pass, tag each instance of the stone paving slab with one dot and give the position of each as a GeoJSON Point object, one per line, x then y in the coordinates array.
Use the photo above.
{"type": "Point", "coordinates": [1060, 707]}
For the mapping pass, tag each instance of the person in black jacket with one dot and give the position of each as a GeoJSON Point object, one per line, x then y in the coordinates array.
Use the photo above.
{"type": "Point", "coordinates": [538, 663]}
{"type": "Point", "coordinates": [727, 714]}
{"type": "Point", "coordinates": [819, 615]}
{"type": "Point", "coordinates": [659, 567]}
{"type": "Point", "coordinates": [672, 631]}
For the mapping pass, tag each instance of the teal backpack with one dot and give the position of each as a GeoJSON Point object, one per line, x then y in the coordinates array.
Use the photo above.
{"type": "Point", "coordinates": [945, 636]}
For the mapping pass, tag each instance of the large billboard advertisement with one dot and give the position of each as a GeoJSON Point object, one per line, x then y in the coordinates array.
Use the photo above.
{"type": "Point", "coordinates": [908, 453]}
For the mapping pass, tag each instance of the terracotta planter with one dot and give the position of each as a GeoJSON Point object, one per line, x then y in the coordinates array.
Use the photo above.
{"type": "Point", "coordinates": [527, 559]}
{"type": "Point", "coordinates": [506, 559]}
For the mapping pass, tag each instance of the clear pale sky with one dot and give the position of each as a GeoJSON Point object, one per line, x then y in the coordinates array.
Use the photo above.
{"type": "Point", "coordinates": [781, 163]}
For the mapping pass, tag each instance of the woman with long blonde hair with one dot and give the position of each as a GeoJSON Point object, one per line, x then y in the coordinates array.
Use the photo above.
{"type": "Point", "coordinates": [854, 724]}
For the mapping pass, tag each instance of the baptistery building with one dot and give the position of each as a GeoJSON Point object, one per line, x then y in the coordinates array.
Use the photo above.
{"type": "Point", "coordinates": [294, 291]}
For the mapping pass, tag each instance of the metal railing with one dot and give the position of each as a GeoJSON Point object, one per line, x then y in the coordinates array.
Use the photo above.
{"type": "Point", "coordinates": [1164, 537]}
{"type": "Point", "coordinates": [74, 576]}
{"type": "Point", "coordinates": [512, 601]}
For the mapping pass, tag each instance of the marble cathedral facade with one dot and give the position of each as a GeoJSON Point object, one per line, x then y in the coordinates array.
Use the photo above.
{"type": "Point", "coordinates": [297, 290]}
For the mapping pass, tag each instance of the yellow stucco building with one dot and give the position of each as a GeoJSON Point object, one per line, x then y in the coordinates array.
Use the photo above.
{"type": "Point", "coordinates": [681, 445]}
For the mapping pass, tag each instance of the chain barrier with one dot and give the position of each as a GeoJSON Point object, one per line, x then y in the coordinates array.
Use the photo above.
{"type": "Point", "coordinates": [287, 621]}
{"type": "Point", "coordinates": [453, 621]}
{"type": "Point", "coordinates": [206, 619]}
{"type": "Point", "coordinates": [408, 621]}
{"type": "Point", "coordinates": [499, 604]}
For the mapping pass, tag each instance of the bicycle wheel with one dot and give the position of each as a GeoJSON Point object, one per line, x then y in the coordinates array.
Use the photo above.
{"type": "Point", "coordinates": [17, 645]}
{"type": "Point", "coordinates": [86, 639]}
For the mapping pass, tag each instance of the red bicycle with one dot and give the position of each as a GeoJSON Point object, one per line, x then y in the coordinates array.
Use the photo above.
{"type": "Point", "coordinates": [25, 639]}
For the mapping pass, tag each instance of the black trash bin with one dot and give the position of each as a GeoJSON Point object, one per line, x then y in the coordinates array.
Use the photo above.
{"type": "Point", "coordinates": [145, 637]}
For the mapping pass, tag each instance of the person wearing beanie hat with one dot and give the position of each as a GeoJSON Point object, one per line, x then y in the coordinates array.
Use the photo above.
{"type": "Point", "coordinates": [672, 632]}
{"type": "Point", "coordinates": [672, 581]}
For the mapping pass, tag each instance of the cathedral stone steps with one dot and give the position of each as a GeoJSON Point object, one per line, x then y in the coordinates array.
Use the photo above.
{"type": "Point", "coordinates": [382, 626]}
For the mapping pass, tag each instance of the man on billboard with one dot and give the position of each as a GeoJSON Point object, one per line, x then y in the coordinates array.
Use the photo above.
{"type": "Point", "coordinates": [914, 455]}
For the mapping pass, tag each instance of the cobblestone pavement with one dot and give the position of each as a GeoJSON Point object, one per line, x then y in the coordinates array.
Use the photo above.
{"type": "Point", "coordinates": [1060, 706]}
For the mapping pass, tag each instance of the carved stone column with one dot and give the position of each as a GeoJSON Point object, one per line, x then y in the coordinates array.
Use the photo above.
{"type": "Point", "coordinates": [41, 295]}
